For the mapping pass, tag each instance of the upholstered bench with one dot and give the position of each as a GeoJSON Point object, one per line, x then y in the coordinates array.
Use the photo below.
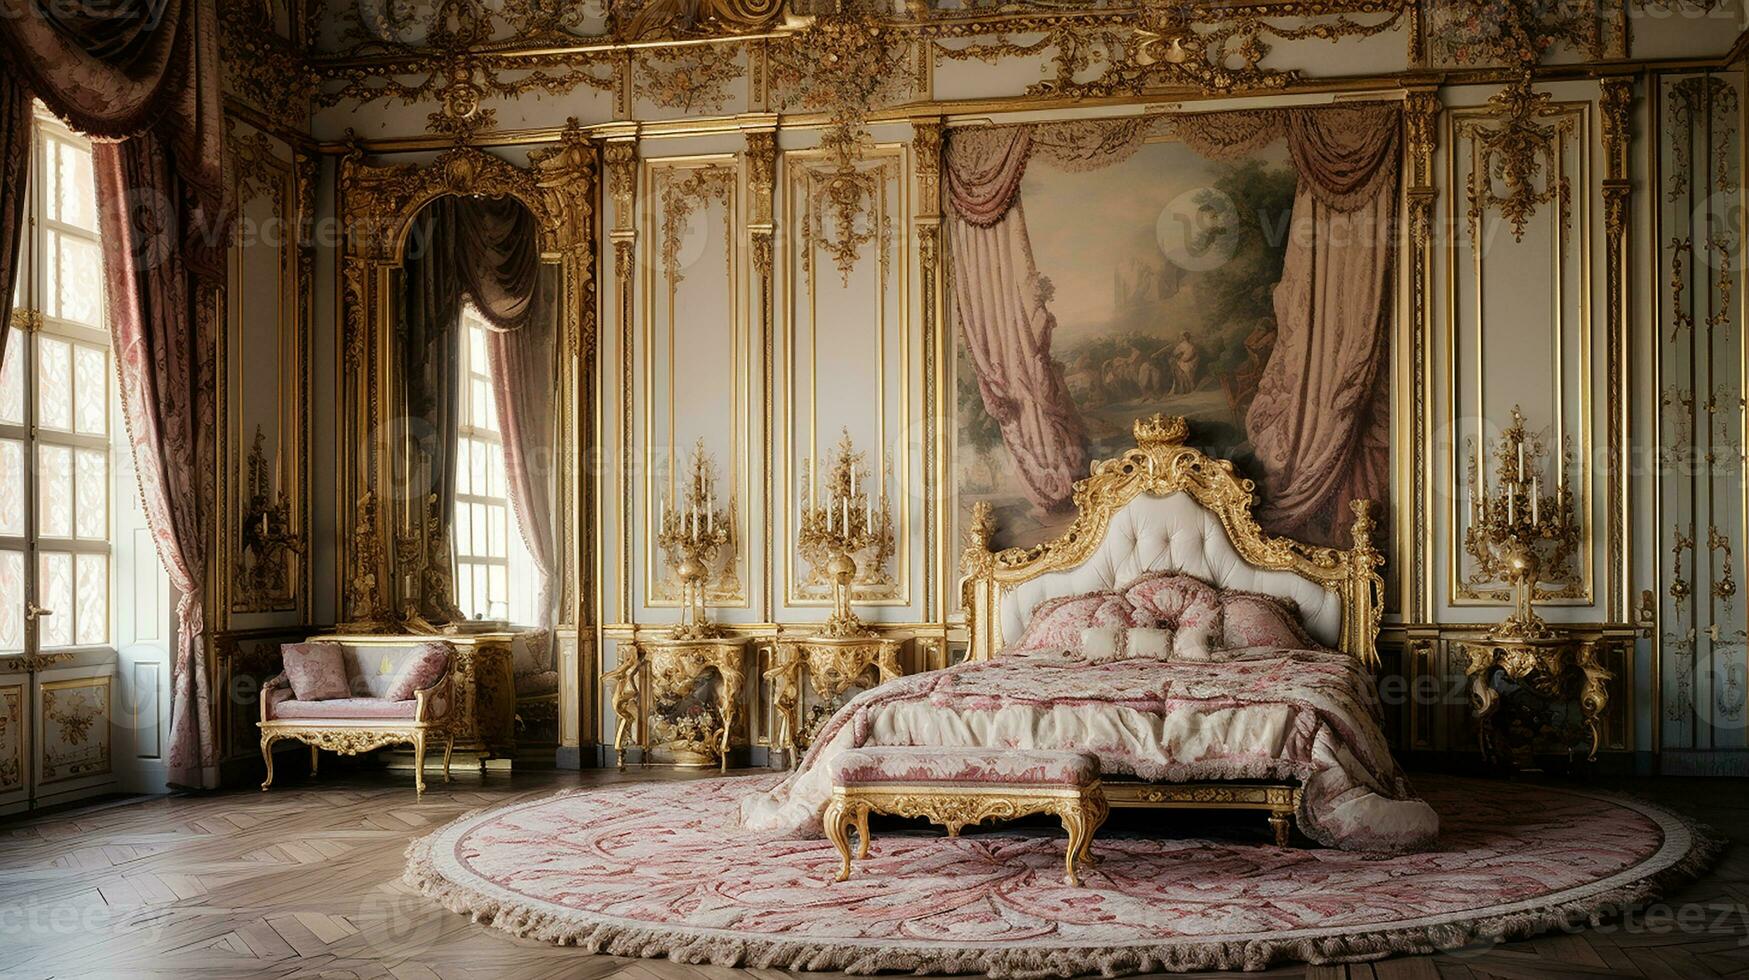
{"type": "Point", "coordinates": [955, 787]}
{"type": "Point", "coordinates": [352, 699]}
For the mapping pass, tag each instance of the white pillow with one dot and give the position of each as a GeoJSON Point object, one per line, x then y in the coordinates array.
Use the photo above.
{"type": "Point", "coordinates": [1103, 644]}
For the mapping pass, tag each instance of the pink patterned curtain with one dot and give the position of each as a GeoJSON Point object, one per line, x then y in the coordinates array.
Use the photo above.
{"type": "Point", "coordinates": [1320, 423]}
{"type": "Point", "coordinates": [146, 73]}
{"type": "Point", "coordinates": [163, 316]}
{"type": "Point", "coordinates": [1004, 315]}
{"type": "Point", "coordinates": [500, 258]}
{"type": "Point", "coordinates": [523, 383]}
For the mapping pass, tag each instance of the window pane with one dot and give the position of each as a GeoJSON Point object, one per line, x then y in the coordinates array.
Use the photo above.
{"type": "Point", "coordinates": [72, 192]}
{"type": "Point", "coordinates": [78, 275]}
{"type": "Point", "coordinates": [11, 600]}
{"type": "Point", "coordinates": [480, 517]}
{"type": "Point", "coordinates": [462, 536]}
{"type": "Point", "coordinates": [12, 379]}
{"type": "Point", "coordinates": [481, 596]}
{"type": "Point", "coordinates": [91, 479]}
{"type": "Point", "coordinates": [55, 586]}
{"type": "Point", "coordinates": [496, 458]}
{"type": "Point", "coordinates": [54, 506]}
{"type": "Point", "coordinates": [478, 455]}
{"type": "Point", "coordinates": [54, 384]}
{"type": "Point", "coordinates": [477, 351]}
{"type": "Point", "coordinates": [498, 578]}
{"type": "Point", "coordinates": [464, 483]}
{"type": "Point", "coordinates": [495, 531]}
{"type": "Point", "coordinates": [11, 487]}
{"type": "Point", "coordinates": [93, 618]}
{"type": "Point", "coordinates": [91, 390]}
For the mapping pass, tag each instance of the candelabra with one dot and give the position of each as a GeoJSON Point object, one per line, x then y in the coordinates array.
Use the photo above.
{"type": "Point", "coordinates": [694, 534]}
{"type": "Point", "coordinates": [1517, 531]}
{"type": "Point", "coordinates": [845, 524]}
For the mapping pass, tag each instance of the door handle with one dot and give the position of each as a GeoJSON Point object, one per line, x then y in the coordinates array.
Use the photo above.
{"type": "Point", "coordinates": [32, 611]}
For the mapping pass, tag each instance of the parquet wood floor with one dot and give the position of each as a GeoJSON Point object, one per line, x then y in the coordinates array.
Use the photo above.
{"type": "Point", "coordinates": [304, 881]}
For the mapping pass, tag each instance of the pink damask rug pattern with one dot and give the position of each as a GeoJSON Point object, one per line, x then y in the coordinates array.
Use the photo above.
{"type": "Point", "coordinates": [663, 870]}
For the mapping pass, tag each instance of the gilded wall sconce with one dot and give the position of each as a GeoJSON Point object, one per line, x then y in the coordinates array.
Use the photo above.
{"type": "Point", "coordinates": [1521, 527]}
{"type": "Point", "coordinates": [846, 521]}
{"type": "Point", "coordinates": [693, 536]}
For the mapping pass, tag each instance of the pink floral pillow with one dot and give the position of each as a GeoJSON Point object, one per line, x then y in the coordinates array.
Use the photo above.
{"type": "Point", "coordinates": [419, 670]}
{"type": "Point", "coordinates": [1251, 619]}
{"type": "Point", "coordinates": [1187, 605]}
{"type": "Point", "coordinates": [315, 670]}
{"type": "Point", "coordinates": [1057, 623]}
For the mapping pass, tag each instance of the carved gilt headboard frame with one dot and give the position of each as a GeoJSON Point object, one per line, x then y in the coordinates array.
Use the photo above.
{"type": "Point", "coordinates": [1162, 465]}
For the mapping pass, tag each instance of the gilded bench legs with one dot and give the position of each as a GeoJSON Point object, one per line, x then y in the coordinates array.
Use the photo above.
{"type": "Point", "coordinates": [267, 756]}
{"type": "Point", "coordinates": [1082, 816]}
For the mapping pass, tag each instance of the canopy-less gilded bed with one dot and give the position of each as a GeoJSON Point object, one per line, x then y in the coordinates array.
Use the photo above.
{"type": "Point", "coordinates": [1209, 663]}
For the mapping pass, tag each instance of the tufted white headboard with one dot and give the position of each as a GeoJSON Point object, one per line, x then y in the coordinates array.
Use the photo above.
{"type": "Point", "coordinates": [1165, 506]}
{"type": "Point", "coordinates": [1174, 533]}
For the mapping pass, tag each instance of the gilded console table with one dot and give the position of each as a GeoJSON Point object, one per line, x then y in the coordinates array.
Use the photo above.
{"type": "Point", "coordinates": [1549, 666]}
{"type": "Point", "coordinates": [662, 689]}
{"type": "Point", "coordinates": [832, 664]}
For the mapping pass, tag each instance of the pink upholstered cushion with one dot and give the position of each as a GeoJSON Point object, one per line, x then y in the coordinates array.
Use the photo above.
{"type": "Point", "coordinates": [419, 671]}
{"type": "Point", "coordinates": [1251, 619]}
{"type": "Point", "coordinates": [316, 670]}
{"type": "Point", "coordinates": [1057, 624]}
{"type": "Point", "coordinates": [1187, 605]}
{"type": "Point", "coordinates": [343, 709]}
{"type": "Point", "coordinates": [879, 765]}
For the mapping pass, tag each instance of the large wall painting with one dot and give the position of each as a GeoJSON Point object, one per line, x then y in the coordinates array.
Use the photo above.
{"type": "Point", "coordinates": [1157, 285]}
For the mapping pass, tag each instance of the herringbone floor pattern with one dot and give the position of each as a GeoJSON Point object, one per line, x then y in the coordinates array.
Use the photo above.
{"type": "Point", "coordinates": [305, 882]}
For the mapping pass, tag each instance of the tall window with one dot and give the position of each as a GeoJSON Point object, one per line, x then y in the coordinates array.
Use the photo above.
{"type": "Point", "coordinates": [494, 575]}
{"type": "Point", "coordinates": [57, 399]}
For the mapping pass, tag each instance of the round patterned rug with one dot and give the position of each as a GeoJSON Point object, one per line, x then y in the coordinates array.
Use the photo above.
{"type": "Point", "coordinates": [662, 869]}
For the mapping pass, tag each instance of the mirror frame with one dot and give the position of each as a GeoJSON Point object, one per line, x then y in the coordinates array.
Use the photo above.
{"type": "Point", "coordinates": [378, 205]}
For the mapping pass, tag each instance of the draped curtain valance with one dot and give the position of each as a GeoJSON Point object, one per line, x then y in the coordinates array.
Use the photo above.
{"type": "Point", "coordinates": [1318, 425]}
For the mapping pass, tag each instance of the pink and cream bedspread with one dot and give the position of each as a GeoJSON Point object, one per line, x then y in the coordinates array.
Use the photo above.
{"type": "Point", "coordinates": [1259, 713]}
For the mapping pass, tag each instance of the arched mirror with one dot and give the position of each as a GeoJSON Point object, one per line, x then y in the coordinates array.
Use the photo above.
{"type": "Point", "coordinates": [474, 315]}
{"type": "Point", "coordinates": [468, 312]}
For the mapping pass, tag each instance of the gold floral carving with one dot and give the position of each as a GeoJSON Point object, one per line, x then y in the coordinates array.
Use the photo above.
{"type": "Point", "coordinates": [682, 192]}
{"type": "Point", "coordinates": [1162, 464]}
{"type": "Point", "coordinates": [1514, 155]}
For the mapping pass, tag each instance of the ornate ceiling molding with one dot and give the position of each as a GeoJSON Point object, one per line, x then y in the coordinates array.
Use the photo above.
{"type": "Point", "coordinates": [842, 57]}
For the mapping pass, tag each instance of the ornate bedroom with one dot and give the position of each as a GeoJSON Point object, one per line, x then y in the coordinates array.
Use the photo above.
{"type": "Point", "coordinates": [703, 489]}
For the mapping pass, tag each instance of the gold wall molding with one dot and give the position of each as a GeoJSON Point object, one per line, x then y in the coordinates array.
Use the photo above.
{"type": "Point", "coordinates": [818, 308]}
{"type": "Point", "coordinates": [1615, 111]}
{"type": "Point", "coordinates": [926, 150]}
{"type": "Point", "coordinates": [1523, 154]}
{"type": "Point", "coordinates": [686, 197]}
{"type": "Point", "coordinates": [1421, 112]}
{"type": "Point", "coordinates": [761, 156]}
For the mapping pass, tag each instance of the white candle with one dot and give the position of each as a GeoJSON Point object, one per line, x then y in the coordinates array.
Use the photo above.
{"type": "Point", "coordinates": [1535, 502]}
{"type": "Point", "coordinates": [1521, 462]}
{"type": "Point", "coordinates": [1511, 507]}
{"type": "Point", "coordinates": [869, 516]}
{"type": "Point", "coordinates": [853, 480]}
{"type": "Point", "coordinates": [846, 506]}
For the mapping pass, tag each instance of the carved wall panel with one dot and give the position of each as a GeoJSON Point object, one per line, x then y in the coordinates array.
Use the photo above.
{"type": "Point", "coordinates": [697, 381]}
{"type": "Point", "coordinates": [73, 729]}
{"type": "Point", "coordinates": [1522, 323]}
{"type": "Point", "coordinates": [847, 354]}
{"type": "Point", "coordinates": [264, 547]}
{"type": "Point", "coordinates": [14, 738]}
{"type": "Point", "coordinates": [1703, 662]}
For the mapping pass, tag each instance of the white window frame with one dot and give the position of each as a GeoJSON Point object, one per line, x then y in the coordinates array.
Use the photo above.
{"type": "Point", "coordinates": [468, 429]}
{"type": "Point", "coordinates": [37, 324]}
